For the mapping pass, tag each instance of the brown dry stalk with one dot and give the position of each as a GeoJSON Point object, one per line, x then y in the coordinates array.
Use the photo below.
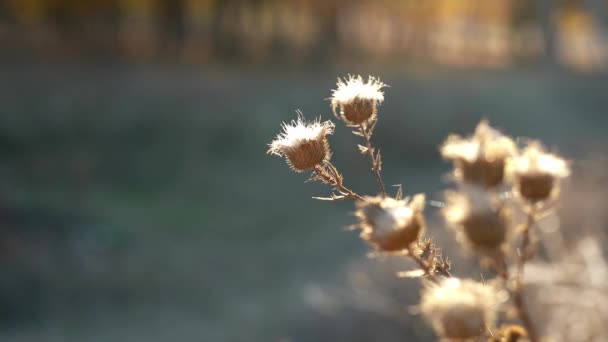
{"type": "Point", "coordinates": [518, 295]}
{"type": "Point", "coordinates": [374, 156]}
{"type": "Point", "coordinates": [335, 179]}
{"type": "Point", "coordinates": [502, 268]}
{"type": "Point", "coordinates": [432, 266]}
{"type": "Point", "coordinates": [428, 271]}
{"type": "Point", "coordinates": [444, 271]}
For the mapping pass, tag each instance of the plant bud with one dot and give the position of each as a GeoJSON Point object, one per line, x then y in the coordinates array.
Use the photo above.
{"type": "Point", "coordinates": [303, 144]}
{"type": "Point", "coordinates": [478, 222]}
{"type": "Point", "coordinates": [389, 224]}
{"type": "Point", "coordinates": [460, 309]}
{"type": "Point", "coordinates": [481, 158]}
{"type": "Point", "coordinates": [537, 174]}
{"type": "Point", "coordinates": [357, 100]}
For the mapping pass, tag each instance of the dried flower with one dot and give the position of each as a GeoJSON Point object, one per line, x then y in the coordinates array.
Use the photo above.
{"type": "Point", "coordinates": [460, 309]}
{"type": "Point", "coordinates": [391, 224]}
{"type": "Point", "coordinates": [510, 333]}
{"type": "Point", "coordinates": [478, 222]}
{"type": "Point", "coordinates": [304, 144]}
{"type": "Point", "coordinates": [358, 100]}
{"type": "Point", "coordinates": [481, 158]}
{"type": "Point", "coordinates": [536, 173]}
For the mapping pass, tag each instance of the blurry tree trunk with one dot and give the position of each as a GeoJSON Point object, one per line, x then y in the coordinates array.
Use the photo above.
{"type": "Point", "coordinates": [138, 28]}
{"type": "Point", "coordinates": [223, 30]}
{"type": "Point", "coordinates": [597, 10]}
{"type": "Point", "coordinates": [172, 27]}
{"type": "Point", "coordinates": [546, 11]}
{"type": "Point", "coordinates": [174, 19]}
{"type": "Point", "coordinates": [328, 42]}
{"type": "Point", "coordinates": [26, 13]}
{"type": "Point", "coordinates": [198, 16]}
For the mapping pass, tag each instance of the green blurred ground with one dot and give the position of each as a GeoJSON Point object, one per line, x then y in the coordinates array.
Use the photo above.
{"type": "Point", "coordinates": [171, 223]}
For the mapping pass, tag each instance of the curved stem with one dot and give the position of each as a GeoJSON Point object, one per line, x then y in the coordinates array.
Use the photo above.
{"type": "Point", "coordinates": [423, 265]}
{"type": "Point", "coordinates": [335, 179]}
{"type": "Point", "coordinates": [518, 295]}
{"type": "Point", "coordinates": [428, 269]}
{"type": "Point", "coordinates": [374, 159]}
{"type": "Point", "coordinates": [444, 272]}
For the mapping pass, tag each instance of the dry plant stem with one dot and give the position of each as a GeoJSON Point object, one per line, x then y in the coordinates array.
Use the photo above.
{"type": "Point", "coordinates": [335, 180]}
{"type": "Point", "coordinates": [518, 295]}
{"type": "Point", "coordinates": [423, 265]}
{"type": "Point", "coordinates": [445, 273]}
{"type": "Point", "coordinates": [428, 269]}
{"type": "Point", "coordinates": [502, 268]}
{"type": "Point", "coordinates": [374, 159]}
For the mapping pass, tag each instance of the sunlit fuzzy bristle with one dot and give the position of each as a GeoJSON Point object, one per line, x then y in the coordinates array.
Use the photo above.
{"type": "Point", "coordinates": [481, 158]}
{"type": "Point", "coordinates": [537, 173]}
{"type": "Point", "coordinates": [460, 309]}
{"type": "Point", "coordinates": [479, 223]}
{"type": "Point", "coordinates": [510, 333]}
{"type": "Point", "coordinates": [356, 99]}
{"type": "Point", "coordinates": [304, 144]}
{"type": "Point", "coordinates": [389, 224]}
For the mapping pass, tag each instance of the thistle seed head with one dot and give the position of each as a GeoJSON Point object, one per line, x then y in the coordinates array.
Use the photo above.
{"type": "Point", "coordinates": [460, 309]}
{"type": "Point", "coordinates": [304, 144]}
{"type": "Point", "coordinates": [357, 100]}
{"type": "Point", "coordinates": [537, 173]}
{"type": "Point", "coordinates": [481, 158]}
{"type": "Point", "coordinates": [510, 333]}
{"type": "Point", "coordinates": [389, 224]}
{"type": "Point", "coordinates": [479, 223]}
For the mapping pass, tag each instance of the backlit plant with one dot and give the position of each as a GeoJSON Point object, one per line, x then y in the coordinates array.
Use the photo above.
{"type": "Point", "coordinates": [494, 179]}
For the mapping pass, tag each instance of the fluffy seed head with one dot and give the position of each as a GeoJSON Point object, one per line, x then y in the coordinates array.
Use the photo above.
{"type": "Point", "coordinates": [389, 224]}
{"type": "Point", "coordinates": [304, 144]}
{"type": "Point", "coordinates": [460, 309]}
{"type": "Point", "coordinates": [510, 333]}
{"type": "Point", "coordinates": [481, 158]}
{"type": "Point", "coordinates": [357, 100]}
{"type": "Point", "coordinates": [537, 173]}
{"type": "Point", "coordinates": [479, 223]}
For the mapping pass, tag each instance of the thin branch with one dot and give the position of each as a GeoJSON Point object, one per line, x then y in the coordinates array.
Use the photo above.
{"type": "Point", "coordinates": [518, 295]}
{"type": "Point", "coordinates": [374, 157]}
{"type": "Point", "coordinates": [501, 267]}
{"type": "Point", "coordinates": [442, 269]}
{"type": "Point", "coordinates": [335, 179]}
{"type": "Point", "coordinates": [428, 271]}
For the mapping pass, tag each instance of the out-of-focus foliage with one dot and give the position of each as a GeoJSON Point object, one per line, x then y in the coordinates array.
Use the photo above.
{"type": "Point", "coordinates": [134, 185]}
{"type": "Point", "coordinates": [464, 33]}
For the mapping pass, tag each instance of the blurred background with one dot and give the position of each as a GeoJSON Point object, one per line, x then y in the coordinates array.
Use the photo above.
{"type": "Point", "coordinates": [136, 199]}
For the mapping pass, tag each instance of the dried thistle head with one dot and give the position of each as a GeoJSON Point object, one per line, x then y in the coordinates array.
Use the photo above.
{"type": "Point", "coordinates": [479, 222]}
{"type": "Point", "coordinates": [510, 333]}
{"type": "Point", "coordinates": [481, 158]}
{"type": "Point", "coordinates": [537, 173]}
{"type": "Point", "coordinates": [390, 224]}
{"type": "Point", "coordinates": [357, 100]}
{"type": "Point", "coordinates": [460, 309]}
{"type": "Point", "coordinates": [304, 144]}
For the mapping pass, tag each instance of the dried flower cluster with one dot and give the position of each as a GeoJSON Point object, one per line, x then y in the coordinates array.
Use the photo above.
{"type": "Point", "coordinates": [390, 224]}
{"type": "Point", "coordinates": [480, 222]}
{"type": "Point", "coordinates": [488, 167]}
{"type": "Point", "coordinates": [481, 158]}
{"type": "Point", "coordinates": [460, 309]}
{"type": "Point", "coordinates": [303, 144]}
{"type": "Point", "coordinates": [536, 173]}
{"type": "Point", "coordinates": [357, 100]}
